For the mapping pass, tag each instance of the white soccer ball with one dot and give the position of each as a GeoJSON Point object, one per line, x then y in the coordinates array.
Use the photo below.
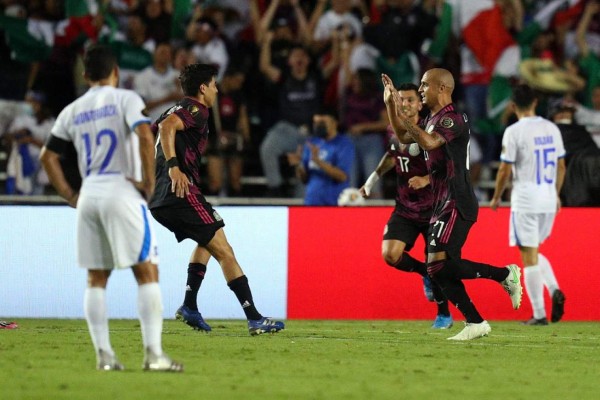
{"type": "Point", "coordinates": [414, 149]}
{"type": "Point", "coordinates": [351, 197]}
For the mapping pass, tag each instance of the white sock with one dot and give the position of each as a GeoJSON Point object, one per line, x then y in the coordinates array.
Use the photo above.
{"type": "Point", "coordinates": [547, 274]}
{"type": "Point", "coordinates": [534, 284]}
{"type": "Point", "coordinates": [94, 306]}
{"type": "Point", "coordinates": [150, 310]}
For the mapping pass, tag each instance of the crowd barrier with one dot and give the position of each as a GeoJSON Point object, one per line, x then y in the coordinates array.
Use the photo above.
{"type": "Point", "coordinates": [302, 263]}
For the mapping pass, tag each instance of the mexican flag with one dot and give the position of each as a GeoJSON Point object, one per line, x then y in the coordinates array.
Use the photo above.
{"type": "Point", "coordinates": [483, 32]}
{"type": "Point", "coordinates": [29, 40]}
{"type": "Point", "coordinates": [555, 12]}
{"type": "Point", "coordinates": [479, 25]}
{"type": "Point", "coordinates": [32, 40]}
{"type": "Point", "coordinates": [80, 24]}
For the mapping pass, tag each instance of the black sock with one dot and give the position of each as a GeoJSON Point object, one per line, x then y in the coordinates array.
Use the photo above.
{"type": "Point", "coordinates": [408, 264]}
{"type": "Point", "coordinates": [440, 299]}
{"type": "Point", "coordinates": [240, 287]}
{"type": "Point", "coordinates": [473, 270]}
{"type": "Point", "coordinates": [195, 276]}
{"type": "Point", "coordinates": [454, 290]}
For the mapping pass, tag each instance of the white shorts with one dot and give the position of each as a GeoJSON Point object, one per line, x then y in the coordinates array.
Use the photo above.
{"type": "Point", "coordinates": [529, 229]}
{"type": "Point", "coordinates": [114, 232]}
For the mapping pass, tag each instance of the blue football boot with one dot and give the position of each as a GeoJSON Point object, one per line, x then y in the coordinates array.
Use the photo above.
{"type": "Point", "coordinates": [193, 318]}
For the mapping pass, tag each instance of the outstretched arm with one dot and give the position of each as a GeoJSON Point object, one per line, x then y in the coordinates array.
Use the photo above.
{"type": "Point", "coordinates": [591, 9]}
{"type": "Point", "coordinates": [385, 164]}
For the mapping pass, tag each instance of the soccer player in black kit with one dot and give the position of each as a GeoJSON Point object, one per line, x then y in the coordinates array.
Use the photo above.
{"type": "Point", "coordinates": [412, 212]}
{"type": "Point", "coordinates": [179, 205]}
{"type": "Point", "coordinates": [444, 135]}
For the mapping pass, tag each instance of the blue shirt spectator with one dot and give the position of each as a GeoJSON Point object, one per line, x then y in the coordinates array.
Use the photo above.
{"type": "Point", "coordinates": [325, 163]}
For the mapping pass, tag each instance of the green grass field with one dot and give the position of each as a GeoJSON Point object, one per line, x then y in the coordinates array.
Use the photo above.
{"type": "Point", "coordinates": [54, 359]}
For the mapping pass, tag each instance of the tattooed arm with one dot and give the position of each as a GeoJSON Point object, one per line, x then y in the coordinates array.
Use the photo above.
{"type": "Point", "coordinates": [427, 141]}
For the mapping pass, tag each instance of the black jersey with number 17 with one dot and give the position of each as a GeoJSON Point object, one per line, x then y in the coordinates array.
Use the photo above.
{"type": "Point", "coordinates": [414, 205]}
{"type": "Point", "coordinates": [449, 165]}
{"type": "Point", "coordinates": [190, 144]}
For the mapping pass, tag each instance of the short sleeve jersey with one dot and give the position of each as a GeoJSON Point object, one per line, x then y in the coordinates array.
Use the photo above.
{"type": "Point", "coordinates": [409, 161]}
{"type": "Point", "coordinates": [100, 125]}
{"type": "Point", "coordinates": [448, 165]}
{"type": "Point", "coordinates": [533, 146]}
{"type": "Point", "coordinates": [190, 144]}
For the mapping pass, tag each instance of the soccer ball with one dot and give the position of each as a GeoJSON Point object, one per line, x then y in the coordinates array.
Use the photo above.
{"type": "Point", "coordinates": [351, 197]}
{"type": "Point", "coordinates": [413, 149]}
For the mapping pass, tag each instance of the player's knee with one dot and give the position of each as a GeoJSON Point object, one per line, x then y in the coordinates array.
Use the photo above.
{"type": "Point", "coordinates": [391, 258]}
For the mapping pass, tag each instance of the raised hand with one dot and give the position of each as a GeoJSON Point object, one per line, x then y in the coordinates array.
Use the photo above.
{"type": "Point", "coordinates": [388, 89]}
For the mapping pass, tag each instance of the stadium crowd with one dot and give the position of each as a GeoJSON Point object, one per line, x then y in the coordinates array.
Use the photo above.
{"type": "Point", "coordinates": [282, 61]}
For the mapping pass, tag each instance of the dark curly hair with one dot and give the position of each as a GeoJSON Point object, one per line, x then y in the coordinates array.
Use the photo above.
{"type": "Point", "coordinates": [195, 75]}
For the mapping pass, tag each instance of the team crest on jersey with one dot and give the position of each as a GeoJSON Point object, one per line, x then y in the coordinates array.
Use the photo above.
{"type": "Point", "coordinates": [447, 122]}
{"type": "Point", "coordinates": [193, 109]}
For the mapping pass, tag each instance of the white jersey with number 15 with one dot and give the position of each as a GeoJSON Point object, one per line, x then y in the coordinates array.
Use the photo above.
{"type": "Point", "coordinates": [533, 146]}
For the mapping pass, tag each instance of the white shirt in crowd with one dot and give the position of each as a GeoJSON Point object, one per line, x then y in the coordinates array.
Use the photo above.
{"type": "Point", "coordinates": [213, 52]}
{"type": "Point", "coordinates": [153, 85]}
{"type": "Point", "coordinates": [330, 20]}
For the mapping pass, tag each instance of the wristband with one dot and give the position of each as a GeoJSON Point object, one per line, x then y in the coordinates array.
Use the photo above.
{"type": "Point", "coordinates": [373, 178]}
{"type": "Point", "coordinates": [172, 162]}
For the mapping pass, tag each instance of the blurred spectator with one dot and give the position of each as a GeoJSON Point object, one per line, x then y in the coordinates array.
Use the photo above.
{"type": "Point", "coordinates": [134, 51]}
{"type": "Point", "coordinates": [288, 26]}
{"type": "Point", "coordinates": [590, 117]}
{"type": "Point", "coordinates": [287, 21]}
{"type": "Point", "coordinates": [589, 62]}
{"type": "Point", "coordinates": [582, 181]}
{"type": "Point", "coordinates": [158, 84]}
{"type": "Point", "coordinates": [25, 137]}
{"type": "Point", "coordinates": [157, 15]}
{"type": "Point", "coordinates": [328, 21]}
{"type": "Point", "coordinates": [348, 54]}
{"type": "Point", "coordinates": [325, 162]}
{"type": "Point", "coordinates": [231, 16]}
{"type": "Point", "coordinates": [182, 57]}
{"type": "Point", "coordinates": [226, 146]}
{"type": "Point", "coordinates": [575, 137]}
{"type": "Point", "coordinates": [404, 25]}
{"type": "Point", "coordinates": [299, 97]}
{"type": "Point", "coordinates": [487, 48]}
{"type": "Point", "coordinates": [208, 47]}
{"type": "Point", "coordinates": [365, 121]}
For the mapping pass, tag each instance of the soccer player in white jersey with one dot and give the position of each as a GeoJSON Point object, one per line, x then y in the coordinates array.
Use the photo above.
{"type": "Point", "coordinates": [533, 152]}
{"type": "Point", "coordinates": [113, 230]}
